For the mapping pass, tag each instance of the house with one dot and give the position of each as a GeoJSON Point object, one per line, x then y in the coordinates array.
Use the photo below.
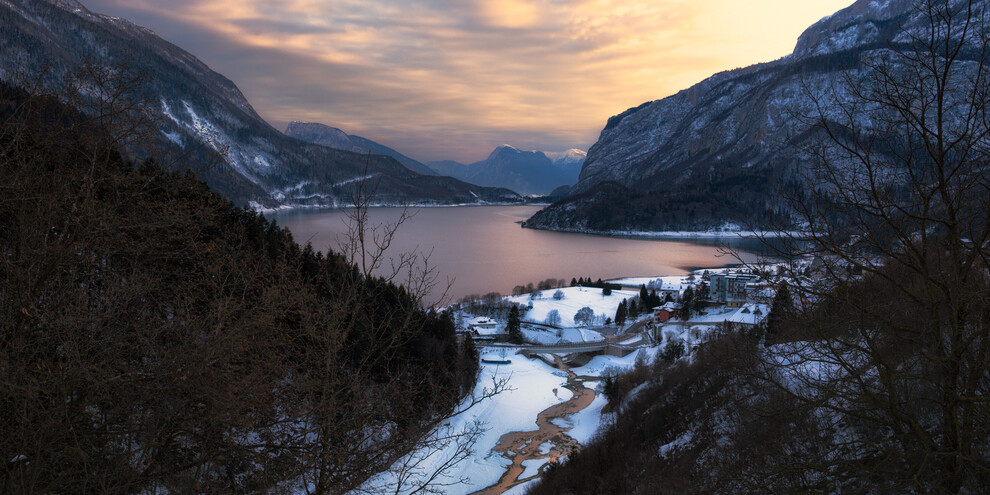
{"type": "Point", "coordinates": [483, 330]}
{"type": "Point", "coordinates": [749, 315]}
{"type": "Point", "coordinates": [482, 324]}
{"type": "Point", "coordinates": [730, 288]}
{"type": "Point", "coordinates": [663, 314]}
{"type": "Point", "coordinates": [672, 289]}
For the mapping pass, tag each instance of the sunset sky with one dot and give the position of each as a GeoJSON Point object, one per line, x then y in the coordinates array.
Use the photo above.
{"type": "Point", "coordinates": [452, 79]}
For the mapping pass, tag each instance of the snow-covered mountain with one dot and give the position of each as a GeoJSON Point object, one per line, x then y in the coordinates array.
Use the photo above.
{"type": "Point", "coordinates": [526, 172]}
{"type": "Point", "coordinates": [204, 119]}
{"type": "Point", "coordinates": [716, 153]}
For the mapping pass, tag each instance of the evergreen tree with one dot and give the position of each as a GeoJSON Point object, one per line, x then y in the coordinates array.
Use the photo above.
{"type": "Point", "coordinates": [607, 290]}
{"type": "Point", "coordinates": [687, 303]}
{"type": "Point", "coordinates": [780, 312]}
{"type": "Point", "coordinates": [515, 333]}
{"type": "Point", "coordinates": [574, 282]}
{"type": "Point", "coordinates": [644, 296]}
{"type": "Point", "coordinates": [633, 309]}
{"type": "Point", "coordinates": [654, 299]}
{"type": "Point", "coordinates": [620, 313]}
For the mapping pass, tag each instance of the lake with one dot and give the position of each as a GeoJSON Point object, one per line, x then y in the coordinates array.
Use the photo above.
{"type": "Point", "coordinates": [484, 249]}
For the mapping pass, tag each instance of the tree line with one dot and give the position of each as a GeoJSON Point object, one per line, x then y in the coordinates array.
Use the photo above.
{"type": "Point", "coordinates": [156, 338]}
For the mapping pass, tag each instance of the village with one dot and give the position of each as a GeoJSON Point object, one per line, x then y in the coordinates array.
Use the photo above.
{"type": "Point", "coordinates": [617, 317]}
{"type": "Point", "coordinates": [572, 340]}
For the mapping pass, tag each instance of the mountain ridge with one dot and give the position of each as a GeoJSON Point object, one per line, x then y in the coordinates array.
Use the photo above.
{"type": "Point", "coordinates": [205, 121]}
{"type": "Point", "coordinates": [526, 172]}
{"type": "Point", "coordinates": [721, 151]}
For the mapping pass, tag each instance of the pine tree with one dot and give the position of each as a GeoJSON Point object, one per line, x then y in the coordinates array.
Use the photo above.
{"type": "Point", "coordinates": [654, 299]}
{"type": "Point", "coordinates": [644, 296]}
{"type": "Point", "coordinates": [780, 312]}
{"type": "Point", "coordinates": [620, 313]}
{"type": "Point", "coordinates": [574, 282]}
{"type": "Point", "coordinates": [515, 333]}
{"type": "Point", "coordinates": [633, 309]}
{"type": "Point", "coordinates": [687, 303]}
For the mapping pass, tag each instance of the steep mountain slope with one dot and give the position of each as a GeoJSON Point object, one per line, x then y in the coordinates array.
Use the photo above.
{"type": "Point", "coordinates": [153, 334]}
{"type": "Point", "coordinates": [526, 172]}
{"type": "Point", "coordinates": [331, 137]}
{"type": "Point", "coordinates": [199, 113]}
{"type": "Point", "coordinates": [719, 152]}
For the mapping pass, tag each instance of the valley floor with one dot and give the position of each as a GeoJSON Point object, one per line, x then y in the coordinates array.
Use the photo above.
{"type": "Point", "coordinates": [553, 404]}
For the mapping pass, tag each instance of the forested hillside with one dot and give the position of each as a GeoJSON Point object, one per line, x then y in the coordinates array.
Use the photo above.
{"type": "Point", "coordinates": [154, 337]}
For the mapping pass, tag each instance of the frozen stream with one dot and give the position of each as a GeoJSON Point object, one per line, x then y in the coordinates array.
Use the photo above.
{"type": "Point", "coordinates": [528, 449]}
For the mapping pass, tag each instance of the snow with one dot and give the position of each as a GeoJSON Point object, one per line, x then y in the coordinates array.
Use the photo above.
{"type": "Point", "coordinates": [748, 314]}
{"type": "Point", "coordinates": [521, 488]}
{"type": "Point", "coordinates": [354, 179]}
{"type": "Point", "coordinates": [680, 442]}
{"type": "Point", "coordinates": [574, 299]}
{"type": "Point", "coordinates": [598, 364]}
{"type": "Point", "coordinates": [532, 467]}
{"type": "Point", "coordinates": [670, 282]}
{"type": "Point", "coordinates": [175, 137]}
{"type": "Point", "coordinates": [587, 421]}
{"type": "Point", "coordinates": [532, 382]}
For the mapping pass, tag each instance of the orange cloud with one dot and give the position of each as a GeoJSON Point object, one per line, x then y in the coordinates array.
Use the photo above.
{"type": "Point", "coordinates": [453, 78]}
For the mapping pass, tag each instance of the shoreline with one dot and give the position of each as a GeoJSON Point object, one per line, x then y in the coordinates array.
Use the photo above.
{"type": "Point", "coordinates": [675, 234]}
{"type": "Point", "coordinates": [256, 207]}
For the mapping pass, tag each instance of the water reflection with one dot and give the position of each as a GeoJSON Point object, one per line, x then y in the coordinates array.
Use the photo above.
{"type": "Point", "coordinates": [484, 249]}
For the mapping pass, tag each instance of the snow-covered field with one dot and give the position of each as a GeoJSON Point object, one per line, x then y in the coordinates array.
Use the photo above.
{"type": "Point", "coordinates": [574, 299]}
{"type": "Point", "coordinates": [532, 384]}
{"type": "Point", "coordinates": [657, 281]}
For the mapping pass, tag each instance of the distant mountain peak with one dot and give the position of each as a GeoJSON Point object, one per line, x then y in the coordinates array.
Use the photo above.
{"type": "Point", "coordinates": [570, 156]}
{"type": "Point", "coordinates": [526, 172]}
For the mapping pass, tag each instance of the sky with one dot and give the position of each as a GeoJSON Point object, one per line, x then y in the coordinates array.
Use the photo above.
{"type": "Point", "coordinates": [453, 79]}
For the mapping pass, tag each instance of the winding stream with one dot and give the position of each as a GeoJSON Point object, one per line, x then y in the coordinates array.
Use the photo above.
{"type": "Point", "coordinates": [521, 446]}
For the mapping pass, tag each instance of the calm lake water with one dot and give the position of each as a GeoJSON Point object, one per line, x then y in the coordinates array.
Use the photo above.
{"type": "Point", "coordinates": [484, 249]}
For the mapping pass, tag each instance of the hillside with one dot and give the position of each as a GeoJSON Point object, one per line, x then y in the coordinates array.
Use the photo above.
{"type": "Point", "coordinates": [331, 137]}
{"type": "Point", "coordinates": [721, 152]}
{"type": "Point", "coordinates": [155, 337]}
{"type": "Point", "coordinates": [193, 117]}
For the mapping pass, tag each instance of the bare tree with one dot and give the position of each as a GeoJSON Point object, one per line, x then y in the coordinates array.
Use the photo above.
{"type": "Point", "coordinates": [892, 355]}
{"type": "Point", "coordinates": [367, 244]}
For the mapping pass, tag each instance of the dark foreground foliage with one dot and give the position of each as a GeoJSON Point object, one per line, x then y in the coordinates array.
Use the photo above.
{"type": "Point", "coordinates": [155, 337]}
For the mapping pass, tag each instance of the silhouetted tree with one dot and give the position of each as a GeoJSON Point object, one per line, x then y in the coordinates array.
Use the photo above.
{"type": "Point", "coordinates": [620, 313]}
{"type": "Point", "coordinates": [513, 328]}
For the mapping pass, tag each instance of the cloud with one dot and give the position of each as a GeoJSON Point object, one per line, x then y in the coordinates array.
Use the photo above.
{"type": "Point", "coordinates": [453, 78]}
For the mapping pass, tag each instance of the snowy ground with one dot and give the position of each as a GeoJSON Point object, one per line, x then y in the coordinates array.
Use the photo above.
{"type": "Point", "coordinates": [656, 281]}
{"type": "Point", "coordinates": [565, 336]}
{"type": "Point", "coordinates": [574, 299]}
{"type": "Point", "coordinates": [533, 383]}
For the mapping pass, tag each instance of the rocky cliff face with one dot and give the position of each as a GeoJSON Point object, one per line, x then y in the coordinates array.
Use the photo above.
{"type": "Point", "coordinates": [203, 119]}
{"type": "Point", "coordinates": [717, 154]}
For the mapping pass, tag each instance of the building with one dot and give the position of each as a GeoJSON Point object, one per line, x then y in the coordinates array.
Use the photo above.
{"type": "Point", "coordinates": [730, 289]}
{"type": "Point", "coordinates": [672, 289]}
{"type": "Point", "coordinates": [663, 314]}
{"type": "Point", "coordinates": [483, 330]}
{"type": "Point", "coordinates": [749, 315]}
